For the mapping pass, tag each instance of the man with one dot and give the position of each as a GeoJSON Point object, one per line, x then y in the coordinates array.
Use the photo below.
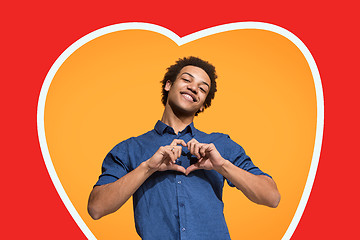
{"type": "Point", "coordinates": [175, 172]}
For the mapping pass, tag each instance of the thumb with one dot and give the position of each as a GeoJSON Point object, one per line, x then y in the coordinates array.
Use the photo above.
{"type": "Point", "coordinates": [176, 167]}
{"type": "Point", "coordinates": [191, 168]}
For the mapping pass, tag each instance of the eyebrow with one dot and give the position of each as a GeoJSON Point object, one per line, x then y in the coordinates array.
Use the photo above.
{"type": "Point", "coordinates": [194, 77]}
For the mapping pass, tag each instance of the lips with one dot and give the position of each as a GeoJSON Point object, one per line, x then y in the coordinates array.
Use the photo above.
{"type": "Point", "coordinates": [189, 96]}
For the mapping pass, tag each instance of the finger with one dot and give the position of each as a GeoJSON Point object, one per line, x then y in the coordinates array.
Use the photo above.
{"type": "Point", "coordinates": [190, 146]}
{"type": "Point", "coordinates": [176, 150]}
{"type": "Point", "coordinates": [170, 155]}
{"type": "Point", "coordinates": [202, 150]}
{"type": "Point", "coordinates": [179, 150]}
{"type": "Point", "coordinates": [200, 161]}
{"type": "Point", "coordinates": [192, 141]}
{"type": "Point", "coordinates": [177, 142]}
{"type": "Point", "coordinates": [166, 159]}
{"type": "Point", "coordinates": [196, 150]}
{"type": "Point", "coordinates": [189, 143]}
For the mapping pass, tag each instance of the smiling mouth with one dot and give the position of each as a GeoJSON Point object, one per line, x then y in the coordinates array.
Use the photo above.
{"type": "Point", "coordinates": [189, 97]}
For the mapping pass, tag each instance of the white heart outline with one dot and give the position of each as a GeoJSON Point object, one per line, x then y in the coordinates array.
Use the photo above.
{"type": "Point", "coordinates": [181, 41]}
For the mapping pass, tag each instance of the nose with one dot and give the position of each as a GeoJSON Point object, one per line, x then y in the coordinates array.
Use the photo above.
{"type": "Point", "coordinates": [192, 87]}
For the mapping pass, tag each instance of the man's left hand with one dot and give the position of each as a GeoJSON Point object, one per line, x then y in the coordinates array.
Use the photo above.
{"type": "Point", "coordinates": [208, 156]}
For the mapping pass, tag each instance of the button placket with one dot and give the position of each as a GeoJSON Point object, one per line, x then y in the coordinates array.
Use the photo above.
{"type": "Point", "coordinates": [181, 206]}
{"type": "Point", "coordinates": [180, 181]}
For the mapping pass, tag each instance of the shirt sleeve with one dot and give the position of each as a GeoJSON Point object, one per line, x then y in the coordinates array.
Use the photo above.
{"type": "Point", "coordinates": [239, 158]}
{"type": "Point", "coordinates": [115, 165]}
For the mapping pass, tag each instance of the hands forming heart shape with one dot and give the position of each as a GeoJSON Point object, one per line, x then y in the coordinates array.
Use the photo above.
{"type": "Point", "coordinates": [165, 157]}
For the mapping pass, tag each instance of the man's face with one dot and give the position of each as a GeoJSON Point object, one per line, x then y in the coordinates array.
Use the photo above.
{"type": "Point", "coordinates": [188, 92]}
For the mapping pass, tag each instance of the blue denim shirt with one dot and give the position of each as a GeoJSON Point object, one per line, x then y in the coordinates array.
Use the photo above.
{"type": "Point", "coordinates": [170, 205]}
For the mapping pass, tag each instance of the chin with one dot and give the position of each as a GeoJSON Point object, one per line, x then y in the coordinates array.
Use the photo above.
{"type": "Point", "coordinates": [178, 110]}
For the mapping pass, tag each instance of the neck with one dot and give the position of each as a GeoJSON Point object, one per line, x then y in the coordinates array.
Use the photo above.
{"type": "Point", "coordinates": [177, 121]}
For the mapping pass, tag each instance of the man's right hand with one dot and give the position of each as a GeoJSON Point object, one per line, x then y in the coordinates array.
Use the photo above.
{"type": "Point", "coordinates": [108, 198]}
{"type": "Point", "coordinates": [165, 157]}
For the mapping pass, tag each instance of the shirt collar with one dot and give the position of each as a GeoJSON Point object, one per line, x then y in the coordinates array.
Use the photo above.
{"type": "Point", "coordinates": [161, 128]}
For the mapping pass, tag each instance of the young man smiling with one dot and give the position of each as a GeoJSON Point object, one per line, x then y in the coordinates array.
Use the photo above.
{"type": "Point", "coordinates": [175, 172]}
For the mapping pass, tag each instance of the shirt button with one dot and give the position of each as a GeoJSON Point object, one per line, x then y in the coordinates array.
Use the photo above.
{"type": "Point", "coordinates": [181, 204]}
{"type": "Point", "coordinates": [183, 229]}
{"type": "Point", "coordinates": [179, 182]}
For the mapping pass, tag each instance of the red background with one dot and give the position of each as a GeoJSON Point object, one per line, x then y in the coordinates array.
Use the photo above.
{"type": "Point", "coordinates": [35, 34]}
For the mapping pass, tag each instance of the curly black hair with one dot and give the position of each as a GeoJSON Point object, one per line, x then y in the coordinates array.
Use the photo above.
{"type": "Point", "coordinates": [174, 70]}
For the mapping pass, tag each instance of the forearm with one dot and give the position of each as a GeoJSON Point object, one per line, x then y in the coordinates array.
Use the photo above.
{"type": "Point", "coordinates": [258, 188]}
{"type": "Point", "coordinates": [108, 198]}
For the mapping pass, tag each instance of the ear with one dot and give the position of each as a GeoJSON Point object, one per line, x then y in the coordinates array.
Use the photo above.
{"type": "Point", "coordinates": [167, 85]}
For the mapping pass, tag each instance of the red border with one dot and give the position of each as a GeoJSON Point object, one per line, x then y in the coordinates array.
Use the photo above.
{"type": "Point", "coordinates": [34, 35]}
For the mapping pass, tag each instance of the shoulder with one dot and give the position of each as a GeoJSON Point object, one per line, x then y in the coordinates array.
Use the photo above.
{"type": "Point", "coordinates": [133, 142]}
{"type": "Point", "coordinates": [214, 136]}
{"type": "Point", "coordinates": [222, 141]}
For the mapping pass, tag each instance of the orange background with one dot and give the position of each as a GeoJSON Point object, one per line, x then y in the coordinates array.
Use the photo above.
{"type": "Point", "coordinates": [109, 90]}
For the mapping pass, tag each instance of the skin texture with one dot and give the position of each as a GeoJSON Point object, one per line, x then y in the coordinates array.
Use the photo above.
{"type": "Point", "coordinates": [186, 95]}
